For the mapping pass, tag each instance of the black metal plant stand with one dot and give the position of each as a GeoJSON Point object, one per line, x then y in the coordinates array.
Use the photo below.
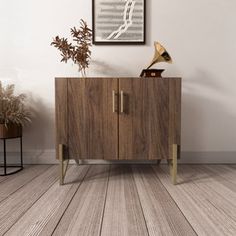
{"type": "Point", "coordinates": [5, 166]}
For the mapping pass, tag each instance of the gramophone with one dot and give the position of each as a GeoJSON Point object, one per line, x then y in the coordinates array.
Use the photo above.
{"type": "Point", "coordinates": [160, 55]}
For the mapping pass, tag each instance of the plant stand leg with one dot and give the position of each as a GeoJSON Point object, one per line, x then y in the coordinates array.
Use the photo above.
{"type": "Point", "coordinates": [158, 162]}
{"type": "Point", "coordinates": [63, 164]}
{"type": "Point", "coordinates": [5, 158]}
{"type": "Point", "coordinates": [5, 166]}
{"type": "Point", "coordinates": [173, 164]}
{"type": "Point", "coordinates": [21, 154]}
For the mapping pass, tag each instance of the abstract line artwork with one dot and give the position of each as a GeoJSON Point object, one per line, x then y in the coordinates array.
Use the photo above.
{"type": "Point", "coordinates": [118, 21]}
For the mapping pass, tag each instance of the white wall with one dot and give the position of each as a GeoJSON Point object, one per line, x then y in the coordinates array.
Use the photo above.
{"type": "Point", "coordinates": [200, 36]}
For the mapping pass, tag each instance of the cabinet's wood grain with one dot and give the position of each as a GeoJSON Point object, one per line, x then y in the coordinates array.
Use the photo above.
{"type": "Point", "coordinates": [174, 113]}
{"type": "Point", "coordinates": [93, 127]}
{"type": "Point", "coordinates": [158, 100]}
{"type": "Point", "coordinates": [147, 129]}
{"type": "Point", "coordinates": [143, 127]}
{"type": "Point", "coordinates": [61, 113]}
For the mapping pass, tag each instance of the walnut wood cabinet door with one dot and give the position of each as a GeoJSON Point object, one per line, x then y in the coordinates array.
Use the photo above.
{"type": "Point", "coordinates": [92, 121]}
{"type": "Point", "coordinates": [147, 126]}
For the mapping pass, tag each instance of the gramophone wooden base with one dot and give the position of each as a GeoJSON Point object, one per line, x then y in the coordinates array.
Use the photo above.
{"type": "Point", "coordinates": [151, 73]}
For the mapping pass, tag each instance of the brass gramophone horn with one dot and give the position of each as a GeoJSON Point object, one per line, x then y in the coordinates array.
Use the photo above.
{"type": "Point", "coordinates": [161, 55]}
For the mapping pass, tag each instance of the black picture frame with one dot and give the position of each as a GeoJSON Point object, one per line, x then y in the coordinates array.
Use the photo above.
{"type": "Point", "coordinates": [95, 39]}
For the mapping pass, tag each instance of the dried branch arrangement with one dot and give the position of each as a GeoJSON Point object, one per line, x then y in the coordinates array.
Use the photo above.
{"type": "Point", "coordinates": [12, 107]}
{"type": "Point", "coordinates": [80, 52]}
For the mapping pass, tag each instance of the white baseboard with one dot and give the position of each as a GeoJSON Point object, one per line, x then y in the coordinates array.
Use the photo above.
{"type": "Point", "coordinates": [31, 157]}
{"type": "Point", "coordinates": [222, 157]}
{"type": "Point", "coordinates": [48, 157]}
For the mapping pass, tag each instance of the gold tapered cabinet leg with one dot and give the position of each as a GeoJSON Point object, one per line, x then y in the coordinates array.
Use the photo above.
{"type": "Point", "coordinates": [63, 164]}
{"type": "Point", "coordinates": [173, 164]}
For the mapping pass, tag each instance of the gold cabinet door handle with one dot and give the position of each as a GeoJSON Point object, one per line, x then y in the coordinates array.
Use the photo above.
{"type": "Point", "coordinates": [114, 107]}
{"type": "Point", "coordinates": [121, 101]}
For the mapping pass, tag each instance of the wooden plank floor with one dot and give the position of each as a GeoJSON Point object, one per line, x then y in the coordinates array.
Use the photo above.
{"type": "Point", "coordinates": [119, 200]}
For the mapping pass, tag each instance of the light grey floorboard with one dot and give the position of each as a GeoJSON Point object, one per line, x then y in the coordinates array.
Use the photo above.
{"type": "Point", "coordinates": [217, 183]}
{"type": "Point", "coordinates": [14, 183]}
{"type": "Point", "coordinates": [232, 166]}
{"type": "Point", "coordinates": [198, 201]}
{"type": "Point", "coordinates": [119, 200]}
{"type": "Point", "coordinates": [52, 204]}
{"type": "Point", "coordinates": [162, 215]}
{"type": "Point", "coordinates": [217, 190]}
{"type": "Point", "coordinates": [3, 178]}
{"type": "Point", "coordinates": [123, 212]}
{"type": "Point", "coordinates": [13, 207]}
{"type": "Point", "coordinates": [85, 213]}
{"type": "Point", "coordinates": [222, 171]}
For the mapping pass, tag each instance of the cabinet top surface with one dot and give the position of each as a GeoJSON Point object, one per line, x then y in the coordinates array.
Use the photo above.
{"type": "Point", "coordinates": [118, 78]}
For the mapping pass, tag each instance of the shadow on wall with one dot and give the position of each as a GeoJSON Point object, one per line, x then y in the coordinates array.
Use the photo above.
{"type": "Point", "coordinates": [40, 134]}
{"type": "Point", "coordinates": [102, 68]}
{"type": "Point", "coordinates": [207, 123]}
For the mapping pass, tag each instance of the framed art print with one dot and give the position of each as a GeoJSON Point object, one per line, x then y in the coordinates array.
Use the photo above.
{"type": "Point", "coordinates": [119, 21]}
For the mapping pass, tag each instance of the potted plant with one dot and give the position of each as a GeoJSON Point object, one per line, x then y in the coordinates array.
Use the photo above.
{"type": "Point", "coordinates": [13, 112]}
{"type": "Point", "coordinates": [80, 52]}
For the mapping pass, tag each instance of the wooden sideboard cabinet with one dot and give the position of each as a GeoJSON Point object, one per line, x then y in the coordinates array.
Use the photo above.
{"type": "Point", "coordinates": [118, 119]}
